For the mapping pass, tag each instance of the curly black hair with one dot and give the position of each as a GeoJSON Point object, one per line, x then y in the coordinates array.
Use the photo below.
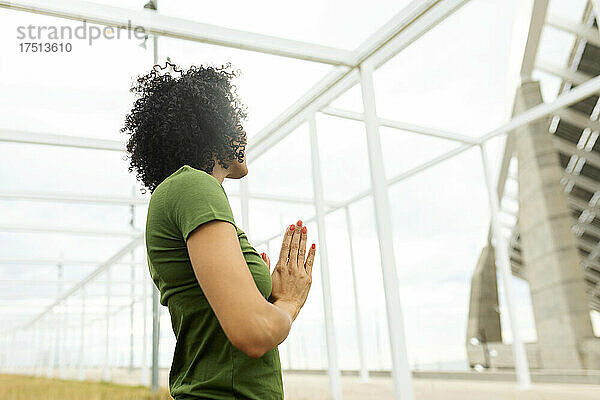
{"type": "Point", "coordinates": [193, 118]}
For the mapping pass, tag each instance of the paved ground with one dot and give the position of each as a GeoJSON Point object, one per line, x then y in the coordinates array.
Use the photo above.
{"type": "Point", "coordinates": [315, 387]}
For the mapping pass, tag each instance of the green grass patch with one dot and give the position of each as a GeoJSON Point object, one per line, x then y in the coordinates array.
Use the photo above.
{"type": "Point", "coordinates": [21, 387]}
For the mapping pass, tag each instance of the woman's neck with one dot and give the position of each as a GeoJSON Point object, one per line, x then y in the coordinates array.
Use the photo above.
{"type": "Point", "coordinates": [219, 173]}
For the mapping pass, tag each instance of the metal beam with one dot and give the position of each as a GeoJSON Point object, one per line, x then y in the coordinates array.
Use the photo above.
{"type": "Point", "coordinates": [577, 118]}
{"type": "Point", "coordinates": [571, 148]}
{"type": "Point", "coordinates": [55, 261]}
{"type": "Point", "coordinates": [585, 32]}
{"type": "Point", "coordinates": [387, 32]}
{"type": "Point", "coordinates": [536, 25]}
{"type": "Point", "coordinates": [565, 74]}
{"type": "Point", "coordinates": [324, 91]}
{"type": "Point", "coordinates": [17, 136]}
{"type": "Point", "coordinates": [503, 263]}
{"type": "Point", "coordinates": [179, 28]}
{"type": "Point", "coordinates": [333, 370]}
{"type": "Point", "coordinates": [579, 93]}
{"type": "Point", "coordinates": [111, 260]}
{"type": "Point", "coordinates": [72, 198]}
{"type": "Point", "coordinates": [437, 133]}
{"type": "Point", "coordinates": [401, 374]}
{"type": "Point", "coordinates": [122, 200]}
{"type": "Point", "coordinates": [398, 178]}
{"type": "Point", "coordinates": [408, 25]}
{"type": "Point", "coordinates": [583, 182]}
{"type": "Point", "coordinates": [362, 351]}
{"type": "Point", "coordinates": [596, 6]}
{"type": "Point", "coordinates": [38, 282]}
{"type": "Point", "coordinates": [64, 230]}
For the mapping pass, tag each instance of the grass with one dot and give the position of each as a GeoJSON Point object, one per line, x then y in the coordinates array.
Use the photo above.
{"type": "Point", "coordinates": [20, 387]}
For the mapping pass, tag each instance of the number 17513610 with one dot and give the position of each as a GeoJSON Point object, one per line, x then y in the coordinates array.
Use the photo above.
{"type": "Point", "coordinates": [41, 47]}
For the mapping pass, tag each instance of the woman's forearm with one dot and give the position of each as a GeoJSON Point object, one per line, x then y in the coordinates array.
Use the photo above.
{"type": "Point", "coordinates": [271, 326]}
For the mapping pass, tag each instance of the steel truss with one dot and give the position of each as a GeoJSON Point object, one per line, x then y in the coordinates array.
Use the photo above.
{"type": "Point", "coordinates": [350, 68]}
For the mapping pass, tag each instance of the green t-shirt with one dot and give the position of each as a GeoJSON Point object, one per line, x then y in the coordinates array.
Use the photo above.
{"type": "Point", "coordinates": [205, 363]}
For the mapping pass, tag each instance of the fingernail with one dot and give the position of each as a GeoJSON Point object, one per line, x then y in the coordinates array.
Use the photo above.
{"type": "Point", "coordinates": [313, 246]}
{"type": "Point", "coordinates": [292, 227]}
{"type": "Point", "coordinates": [303, 229]}
{"type": "Point", "coordinates": [299, 223]}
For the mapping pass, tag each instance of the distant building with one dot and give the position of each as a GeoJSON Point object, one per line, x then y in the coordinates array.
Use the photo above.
{"type": "Point", "coordinates": [556, 241]}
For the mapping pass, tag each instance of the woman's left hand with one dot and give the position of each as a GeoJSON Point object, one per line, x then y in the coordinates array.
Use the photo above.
{"type": "Point", "coordinates": [266, 259]}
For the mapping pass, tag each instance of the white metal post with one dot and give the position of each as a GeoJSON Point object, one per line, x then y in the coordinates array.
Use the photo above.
{"type": "Point", "coordinates": [401, 373]}
{"type": "Point", "coordinates": [105, 368]}
{"type": "Point", "coordinates": [132, 286]}
{"type": "Point", "coordinates": [59, 322]}
{"type": "Point", "coordinates": [41, 348]}
{"type": "Point", "coordinates": [30, 349]}
{"type": "Point", "coordinates": [4, 357]}
{"type": "Point", "coordinates": [51, 348]}
{"type": "Point", "coordinates": [13, 350]}
{"type": "Point", "coordinates": [145, 373]}
{"type": "Point", "coordinates": [8, 352]}
{"type": "Point", "coordinates": [59, 340]}
{"type": "Point", "coordinates": [503, 264]}
{"type": "Point", "coordinates": [335, 383]}
{"type": "Point", "coordinates": [36, 352]}
{"type": "Point", "coordinates": [364, 371]}
{"type": "Point", "coordinates": [155, 292]}
{"type": "Point", "coordinates": [3, 354]}
{"type": "Point", "coordinates": [132, 304]}
{"type": "Point", "coordinates": [82, 337]}
{"type": "Point", "coordinates": [62, 356]}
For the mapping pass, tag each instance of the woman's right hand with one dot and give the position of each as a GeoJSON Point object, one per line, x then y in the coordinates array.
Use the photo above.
{"type": "Point", "coordinates": [292, 276]}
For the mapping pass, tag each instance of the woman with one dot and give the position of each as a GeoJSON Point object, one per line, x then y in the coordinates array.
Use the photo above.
{"type": "Point", "coordinates": [227, 311]}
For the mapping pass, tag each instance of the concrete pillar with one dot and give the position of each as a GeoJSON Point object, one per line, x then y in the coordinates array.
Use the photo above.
{"type": "Point", "coordinates": [560, 303]}
{"type": "Point", "coordinates": [484, 319]}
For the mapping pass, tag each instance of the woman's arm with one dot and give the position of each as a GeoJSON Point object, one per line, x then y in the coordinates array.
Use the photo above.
{"type": "Point", "coordinates": [251, 323]}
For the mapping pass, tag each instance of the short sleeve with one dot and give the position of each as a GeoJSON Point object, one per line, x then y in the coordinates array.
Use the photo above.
{"type": "Point", "coordinates": [194, 198]}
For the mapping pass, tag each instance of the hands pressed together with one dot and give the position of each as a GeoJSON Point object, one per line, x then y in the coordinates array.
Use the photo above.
{"type": "Point", "coordinates": [292, 276]}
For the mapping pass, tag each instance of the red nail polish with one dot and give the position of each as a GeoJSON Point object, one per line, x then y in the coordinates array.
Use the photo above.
{"type": "Point", "coordinates": [292, 227]}
{"type": "Point", "coordinates": [313, 245]}
{"type": "Point", "coordinates": [303, 229]}
{"type": "Point", "coordinates": [299, 223]}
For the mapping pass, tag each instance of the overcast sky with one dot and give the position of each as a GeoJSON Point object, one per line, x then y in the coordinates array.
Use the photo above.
{"type": "Point", "coordinates": [459, 77]}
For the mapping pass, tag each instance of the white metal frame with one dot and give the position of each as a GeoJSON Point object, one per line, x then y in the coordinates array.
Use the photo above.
{"type": "Point", "coordinates": [335, 378]}
{"type": "Point", "coordinates": [179, 28]}
{"type": "Point", "coordinates": [351, 67]}
{"type": "Point", "coordinates": [400, 368]}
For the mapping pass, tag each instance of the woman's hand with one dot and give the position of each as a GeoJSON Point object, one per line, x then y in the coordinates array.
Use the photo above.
{"type": "Point", "coordinates": [292, 276]}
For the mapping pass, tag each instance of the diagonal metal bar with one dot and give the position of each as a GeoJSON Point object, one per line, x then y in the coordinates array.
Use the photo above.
{"type": "Point", "coordinates": [581, 92]}
{"type": "Point", "coordinates": [438, 133]}
{"type": "Point", "coordinates": [17, 136]}
{"type": "Point", "coordinates": [93, 275]}
{"type": "Point", "coordinates": [407, 26]}
{"type": "Point", "coordinates": [589, 34]}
